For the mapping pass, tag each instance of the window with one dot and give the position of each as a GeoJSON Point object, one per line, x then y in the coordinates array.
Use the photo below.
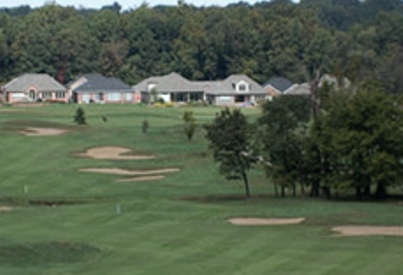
{"type": "Point", "coordinates": [128, 96]}
{"type": "Point", "coordinates": [196, 96]}
{"type": "Point", "coordinates": [99, 97]}
{"type": "Point", "coordinates": [177, 97]}
{"type": "Point", "coordinates": [86, 98]}
{"type": "Point", "coordinates": [47, 95]}
{"type": "Point", "coordinates": [114, 97]}
{"type": "Point", "coordinates": [242, 88]}
{"type": "Point", "coordinates": [60, 94]}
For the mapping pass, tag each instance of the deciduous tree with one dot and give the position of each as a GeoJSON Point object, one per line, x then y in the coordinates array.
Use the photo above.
{"type": "Point", "coordinates": [363, 135]}
{"type": "Point", "coordinates": [228, 139]}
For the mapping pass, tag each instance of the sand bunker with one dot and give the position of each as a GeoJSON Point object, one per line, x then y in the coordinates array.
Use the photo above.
{"type": "Point", "coordinates": [113, 153]}
{"type": "Point", "coordinates": [118, 171]}
{"type": "Point", "coordinates": [266, 221]}
{"type": "Point", "coordinates": [4, 208]}
{"type": "Point", "coordinates": [369, 230]}
{"type": "Point", "coordinates": [34, 131]}
{"type": "Point", "coordinates": [147, 178]}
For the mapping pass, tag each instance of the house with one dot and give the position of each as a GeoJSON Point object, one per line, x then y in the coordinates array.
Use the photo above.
{"type": "Point", "coordinates": [34, 88]}
{"type": "Point", "coordinates": [96, 88]}
{"type": "Point", "coordinates": [277, 86]}
{"type": "Point", "coordinates": [236, 89]}
{"type": "Point", "coordinates": [330, 80]}
{"type": "Point", "coordinates": [298, 89]}
{"type": "Point", "coordinates": [337, 83]}
{"type": "Point", "coordinates": [169, 88]}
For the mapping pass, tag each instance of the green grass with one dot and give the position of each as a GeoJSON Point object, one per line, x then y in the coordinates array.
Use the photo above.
{"type": "Point", "coordinates": [67, 223]}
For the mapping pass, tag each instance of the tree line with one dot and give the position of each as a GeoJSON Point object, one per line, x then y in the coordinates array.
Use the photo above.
{"type": "Point", "coordinates": [354, 145]}
{"type": "Point", "coordinates": [358, 39]}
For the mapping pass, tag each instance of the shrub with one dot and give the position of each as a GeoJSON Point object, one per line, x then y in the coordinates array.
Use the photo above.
{"type": "Point", "coordinates": [189, 124]}
{"type": "Point", "coordinates": [144, 126]}
{"type": "Point", "coordinates": [79, 118]}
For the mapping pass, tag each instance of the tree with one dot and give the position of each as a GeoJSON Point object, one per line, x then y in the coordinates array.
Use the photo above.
{"type": "Point", "coordinates": [317, 60]}
{"type": "Point", "coordinates": [228, 139]}
{"type": "Point", "coordinates": [282, 138]}
{"type": "Point", "coordinates": [3, 51]}
{"type": "Point", "coordinates": [189, 124]}
{"type": "Point", "coordinates": [79, 118]}
{"type": "Point", "coordinates": [54, 40]}
{"type": "Point", "coordinates": [363, 134]}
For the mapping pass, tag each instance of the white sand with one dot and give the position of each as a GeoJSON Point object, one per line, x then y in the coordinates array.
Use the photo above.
{"type": "Point", "coordinates": [118, 171]}
{"type": "Point", "coordinates": [266, 221]}
{"type": "Point", "coordinates": [5, 208]}
{"type": "Point", "coordinates": [34, 131]}
{"type": "Point", "coordinates": [369, 230]}
{"type": "Point", "coordinates": [146, 178]}
{"type": "Point", "coordinates": [113, 153]}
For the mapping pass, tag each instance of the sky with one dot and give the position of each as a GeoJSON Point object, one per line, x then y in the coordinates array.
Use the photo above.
{"type": "Point", "coordinates": [126, 4]}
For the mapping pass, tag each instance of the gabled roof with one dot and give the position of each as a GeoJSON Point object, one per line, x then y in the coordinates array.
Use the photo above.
{"type": "Point", "coordinates": [336, 82]}
{"type": "Point", "coordinates": [172, 82]}
{"type": "Point", "coordinates": [226, 87]}
{"type": "Point", "coordinates": [281, 84]}
{"type": "Point", "coordinates": [298, 89]}
{"type": "Point", "coordinates": [41, 82]}
{"type": "Point", "coordinates": [98, 83]}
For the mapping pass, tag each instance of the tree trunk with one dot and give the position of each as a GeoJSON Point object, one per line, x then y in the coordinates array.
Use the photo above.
{"type": "Point", "coordinates": [327, 192]}
{"type": "Point", "coordinates": [294, 190]}
{"type": "Point", "coordinates": [315, 189]}
{"type": "Point", "coordinates": [246, 183]}
{"type": "Point", "coordinates": [367, 191]}
{"type": "Point", "coordinates": [302, 184]}
{"type": "Point", "coordinates": [282, 190]}
{"type": "Point", "coordinates": [275, 189]}
{"type": "Point", "coordinates": [358, 192]}
{"type": "Point", "coordinates": [313, 85]}
{"type": "Point", "coordinates": [381, 191]}
{"type": "Point", "coordinates": [302, 190]}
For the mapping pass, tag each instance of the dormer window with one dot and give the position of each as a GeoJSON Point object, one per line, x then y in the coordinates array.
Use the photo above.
{"type": "Point", "coordinates": [242, 86]}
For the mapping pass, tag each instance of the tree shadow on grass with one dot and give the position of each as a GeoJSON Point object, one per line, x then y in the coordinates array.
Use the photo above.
{"type": "Point", "coordinates": [45, 253]}
{"type": "Point", "coordinates": [224, 197]}
{"type": "Point", "coordinates": [51, 202]}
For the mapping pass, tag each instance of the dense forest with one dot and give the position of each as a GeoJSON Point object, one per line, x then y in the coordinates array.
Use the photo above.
{"type": "Point", "coordinates": [358, 39]}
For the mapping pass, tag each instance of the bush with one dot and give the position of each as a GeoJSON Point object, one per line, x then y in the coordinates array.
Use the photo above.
{"type": "Point", "coordinates": [79, 118]}
{"type": "Point", "coordinates": [144, 126]}
{"type": "Point", "coordinates": [189, 124]}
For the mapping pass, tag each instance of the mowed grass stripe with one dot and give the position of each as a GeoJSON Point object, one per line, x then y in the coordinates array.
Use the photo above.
{"type": "Point", "coordinates": [169, 226]}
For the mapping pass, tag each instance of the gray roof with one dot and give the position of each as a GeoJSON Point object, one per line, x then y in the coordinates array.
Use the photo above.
{"type": "Point", "coordinates": [98, 83]}
{"type": "Point", "coordinates": [337, 82]}
{"type": "Point", "coordinates": [279, 83]}
{"type": "Point", "coordinates": [299, 89]}
{"type": "Point", "coordinates": [41, 82]}
{"type": "Point", "coordinates": [172, 82]}
{"type": "Point", "coordinates": [226, 87]}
